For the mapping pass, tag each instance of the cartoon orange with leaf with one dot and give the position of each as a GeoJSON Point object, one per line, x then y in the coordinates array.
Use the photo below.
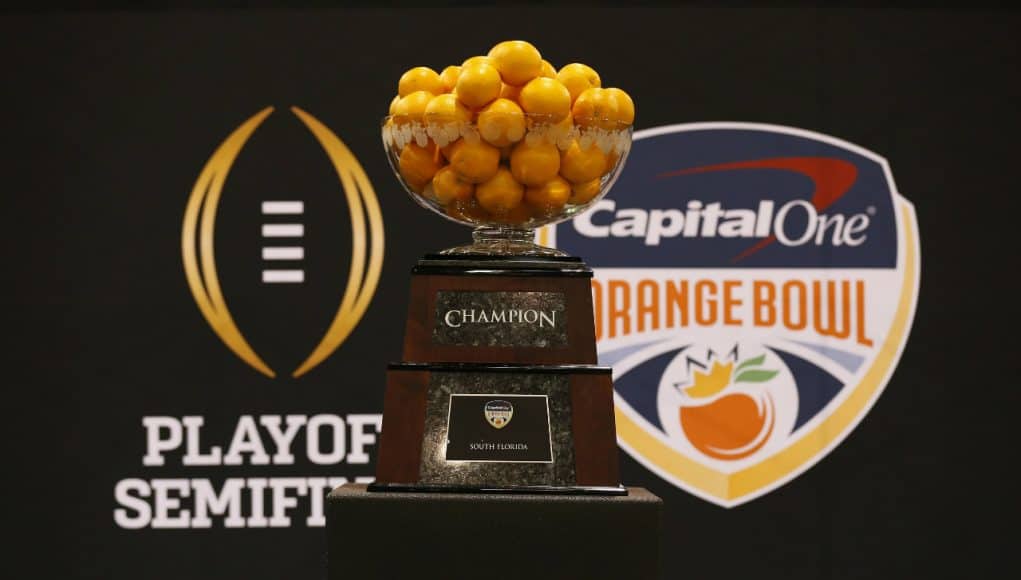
{"type": "Point", "coordinates": [728, 426]}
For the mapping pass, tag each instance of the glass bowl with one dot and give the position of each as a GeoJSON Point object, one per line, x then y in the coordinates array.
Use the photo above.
{"type": "Point", "coordinates": [505, 174]}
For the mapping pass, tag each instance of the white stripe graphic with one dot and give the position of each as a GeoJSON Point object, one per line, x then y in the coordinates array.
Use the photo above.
{"type": "Point", "coordinates": [283, 276]}
{"type": "Point", "coordinates": [283, 253]}
{"type": "Point", "coordinates": [283, 207]}
{"type": "Point", "coordinates": [283, 230]}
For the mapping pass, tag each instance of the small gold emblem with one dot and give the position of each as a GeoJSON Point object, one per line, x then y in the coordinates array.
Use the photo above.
{"type": "Point", "coordinates": [499, 413]}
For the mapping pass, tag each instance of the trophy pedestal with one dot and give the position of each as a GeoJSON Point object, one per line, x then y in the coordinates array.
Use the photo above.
{"type": "Point", "coordinates": [499, 389]}
{"type": "Point", "coordinates": [489, 535]}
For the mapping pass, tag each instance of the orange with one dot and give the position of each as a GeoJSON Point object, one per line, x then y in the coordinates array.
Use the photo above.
{"type": "Point", "coordinates": [447, 149]}
{"type": "Point", "coordinates": [418, 165]}
{"type": "Point", "coordinates": [517, 216]}
{"type": "Point", "coordinates": [420, 78]}
{"type": "Point", "coordinates": [478, 84]}
{"type": "Point", "coordinates": [548, 70]}
{"type": "Point", "coordinates": [561, 133]}
{"type": "Point", "coordinates": [478, 60]}
{"type": "Point", "coordinates": [468, 211]}
{"type": "Point", "coordinates": [625, 106]}
{"type": "Point", "coordinates": [518, 61]}
{"type": "Point", "coordinates": [510, 92]}
{"type": "Point", "coordinates": [535, 164]}
{"type": "Point", "coordinates": [549, 197]}
{"type": "Point", "coordinates": [446, 109]}
{"type": "Point", "coordinates": [578, 78]}
{"type": "Point", "coordinates": [583, 193]}
{"type": "Point", "coordinates": [475, 162]}
{"type": "Point", "coordinates": [580, 165]}
{"type": "Point", "coordinates": [411, 108]}
{"type": "Point", "coordinates": [427, 192]}
{"type": "Point", "coordinates": [501, 193]}
{"type": "Point", "coordinates": [547, 98]}
{"type": "Point", "coordinates": [596, 108]}
{"type": "Point", "coordinates": [731, 427]}
{"type": "Point", "coordinates": [611, 161]}
{"type": "Point", "coordinates": [449, 187]}
{"type": "Point", "coordinates": [449, 77]}
{"type": "Point", "coordinates": [393, 104]}
{"type": "Point", "coordinates": [501, 123]}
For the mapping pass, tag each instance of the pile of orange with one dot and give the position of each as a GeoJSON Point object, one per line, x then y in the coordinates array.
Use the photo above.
{"type": "Point", "coordinates": [506, 137]}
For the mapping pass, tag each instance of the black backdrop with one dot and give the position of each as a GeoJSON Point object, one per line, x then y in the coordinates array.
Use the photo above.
{"type": "Point", "coordinates": [109, 117]}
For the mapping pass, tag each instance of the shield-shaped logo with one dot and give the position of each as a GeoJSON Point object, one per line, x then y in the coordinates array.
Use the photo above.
{"type": "Point", "coordinates": [499, 413]}
{"type": "Point", "coordinates": [754, 287]}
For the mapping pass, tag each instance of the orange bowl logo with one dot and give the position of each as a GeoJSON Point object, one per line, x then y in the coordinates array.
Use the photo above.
{"type": "Point", "coordinates": [755, 286]}
{"type": "Point", "coordinates": [283, 236]}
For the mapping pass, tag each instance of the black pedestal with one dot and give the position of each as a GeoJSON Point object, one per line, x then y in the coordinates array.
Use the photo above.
{"type": "Point", "coordinates": [491, 536]}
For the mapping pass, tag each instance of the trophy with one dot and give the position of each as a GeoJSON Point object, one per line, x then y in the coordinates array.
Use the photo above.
{"type": "Point", "coordinates": [499, 388]}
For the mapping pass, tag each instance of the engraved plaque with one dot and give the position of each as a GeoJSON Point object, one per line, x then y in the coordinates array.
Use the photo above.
{"type": "Point", "coordinates": [445, 458]}
{"type": "Point", "coordinates": [510, 319]}
{"type": "Point", "coordinates": [499, 428]}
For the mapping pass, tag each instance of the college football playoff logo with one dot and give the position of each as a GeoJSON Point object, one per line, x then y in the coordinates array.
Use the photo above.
{"type": "Point", "coordinates": [198, 251]}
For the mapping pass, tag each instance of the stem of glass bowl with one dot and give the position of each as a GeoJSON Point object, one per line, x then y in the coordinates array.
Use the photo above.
{"type": "Point", "coordinates": [487, 235]}
{"type": "Point", "coordinates": [503, 241]}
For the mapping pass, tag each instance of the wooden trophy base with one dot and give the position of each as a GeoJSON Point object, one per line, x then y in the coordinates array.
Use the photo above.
{"type": "Point", "coordinates": [499, 391]}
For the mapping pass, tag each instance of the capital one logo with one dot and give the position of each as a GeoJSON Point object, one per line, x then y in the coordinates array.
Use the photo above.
{"type": "Point", "coordinates": [281, 256]}
{"type": "Point", "coordinates": [754, 288]}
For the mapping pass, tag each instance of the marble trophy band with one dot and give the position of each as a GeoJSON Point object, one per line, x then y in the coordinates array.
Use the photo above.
{"type": "Point", "coordinates": [499, 389]}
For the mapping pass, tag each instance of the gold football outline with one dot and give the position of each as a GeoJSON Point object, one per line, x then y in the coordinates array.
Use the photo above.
{"type": "Point", "coordinates": [200, 217]}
